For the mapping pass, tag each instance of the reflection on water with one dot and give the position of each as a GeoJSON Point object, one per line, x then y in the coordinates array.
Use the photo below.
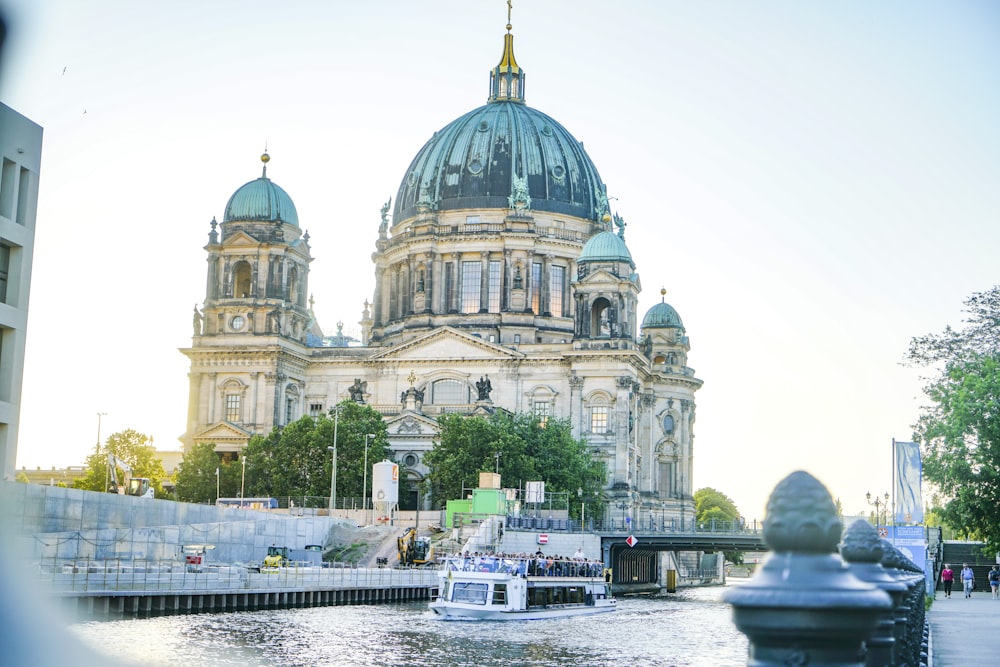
{"type": "Point", "coordinates": [689, 628]}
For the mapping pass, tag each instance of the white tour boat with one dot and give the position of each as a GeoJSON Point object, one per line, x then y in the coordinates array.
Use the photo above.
{"type": "Point", "coordinates": [492, 587]}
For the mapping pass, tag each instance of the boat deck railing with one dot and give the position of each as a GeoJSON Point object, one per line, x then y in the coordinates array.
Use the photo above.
{"type": "Point", "coordinates": [541, 566]}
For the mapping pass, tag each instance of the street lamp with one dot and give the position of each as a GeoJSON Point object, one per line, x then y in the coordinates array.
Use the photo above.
{"type": "Point", "coordinates": [333, 471]}
{"type": "Point", "coordinates": [333, 477]}
{"type": "Point", "coordinates": [97, 450]}
{"type": "Point", "coordinates": [623, 505]}
{"type": "Point", "coordinates": [216, 486]}
{"type": "Point", "coordinates": [364, 497]}
{"type": "Point", "coordinates": [583, 523]}
{"type": "Point", "coordinates": [243, 480]}
{"type": "Point", "coordinates": [878, 503]}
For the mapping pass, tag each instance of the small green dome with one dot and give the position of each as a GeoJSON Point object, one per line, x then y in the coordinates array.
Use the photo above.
{"type": "Point", "coordinates": [606, 247]}
{"type": "Point", "coordinates": [662, 316]}
{"type": "Point", "coordinates": [261, 201]}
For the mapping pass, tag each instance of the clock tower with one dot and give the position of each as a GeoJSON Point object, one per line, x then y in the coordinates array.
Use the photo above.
{"type": "Point", "coordinates": [258, 267]}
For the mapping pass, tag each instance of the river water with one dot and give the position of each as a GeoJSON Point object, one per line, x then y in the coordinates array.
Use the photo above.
{"type": "Point", "coordinates": [691, 627]}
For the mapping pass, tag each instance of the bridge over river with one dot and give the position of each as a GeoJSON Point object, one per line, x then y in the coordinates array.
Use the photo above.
{"type": "Point", "coordinates": [636, 554]}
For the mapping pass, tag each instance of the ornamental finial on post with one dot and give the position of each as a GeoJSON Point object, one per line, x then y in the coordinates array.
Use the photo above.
{"type": "Point", "coordinates": [804, 606]}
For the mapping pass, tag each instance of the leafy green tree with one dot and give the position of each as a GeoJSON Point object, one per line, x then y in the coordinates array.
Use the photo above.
{"type": "Point", "coordinates": [196, 476]}
{"type": "Point", "coordinates": [132, 448]}
{"type": "Point", "coordinates": [523, 449]}
{"type": "Point", "coordinates": [294, 460]}
{"type": "Point", "coordinates": [959, 431]}
{"type": "Point", "coordinates": [711, 504]}
{"type": "Point", "coordinates": [22, 478]}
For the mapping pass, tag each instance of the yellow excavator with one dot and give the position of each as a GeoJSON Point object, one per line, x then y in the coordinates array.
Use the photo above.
{"type": "Point", "coordinates": [414, 550]}
{"type": "Point", "coordinates": [129, 485]}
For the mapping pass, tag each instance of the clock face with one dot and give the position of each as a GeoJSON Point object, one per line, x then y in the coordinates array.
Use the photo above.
{"type": "Point", "coordinates": [237, 323]}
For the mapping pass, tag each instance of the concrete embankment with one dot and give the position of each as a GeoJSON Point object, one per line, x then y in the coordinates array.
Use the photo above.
{"type": "Point", "coordinates": [107, 554]}
{"type": "Point", "coordinates": [101, 589]}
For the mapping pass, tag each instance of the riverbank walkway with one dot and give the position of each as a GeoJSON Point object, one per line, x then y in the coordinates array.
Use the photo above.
{"type": "Point", "coordinates": [964, 632]}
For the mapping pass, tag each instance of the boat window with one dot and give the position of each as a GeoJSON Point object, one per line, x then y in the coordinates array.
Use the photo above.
{"type": "Point", "coordinates": [469, 592]}
{"type": "Point", "coordinates": [500, 594]}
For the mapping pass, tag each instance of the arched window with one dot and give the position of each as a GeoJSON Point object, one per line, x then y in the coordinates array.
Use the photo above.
{"type": "Point", "coordinates": [600, 324]}
{"type": "Point", "coordinates": [291, 403]}
{"type": "Point", "coordinates": [293, 286]}
{"type": "Point", "coordinates": [232, 399]}
{"type": "Point", "coordinates": [449, 392]}
{"type": "Point", "coordinates": [241, 280]}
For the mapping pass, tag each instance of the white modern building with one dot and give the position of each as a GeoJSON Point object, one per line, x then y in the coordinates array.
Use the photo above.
{"type": "Point", "coordinates": [502, 281]}
{"type": "Point", "coordinates": [21, 155]}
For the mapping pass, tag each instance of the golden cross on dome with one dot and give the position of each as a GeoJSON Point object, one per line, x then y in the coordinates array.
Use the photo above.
{"type": "Point", "coordinates": [509, 5]}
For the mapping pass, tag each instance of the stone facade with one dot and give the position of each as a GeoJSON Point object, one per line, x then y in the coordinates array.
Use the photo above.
{"type": "Point", "coordinates": [526, 302]}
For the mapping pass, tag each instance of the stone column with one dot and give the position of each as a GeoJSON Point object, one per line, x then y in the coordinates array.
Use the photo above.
{"type": "Point", "coordinates": [429, 282]}
{"type": "Point", "coordinates": [545, 302]}
{"type": "Point", "coordinates": [576, 408]}
{"type": "Point", "coordinates": [456, 287]}
{"type": "Point", "coordinates": [211, 383]}
{"type": "Point", "coordinates": [484, 282]}
{"type": "Point", "coordinates": [506, 277]}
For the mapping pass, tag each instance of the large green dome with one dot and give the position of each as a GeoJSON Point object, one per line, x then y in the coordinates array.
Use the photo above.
{"type": "Point", "coordinates": [473, 161]}
{"type": "Point", "coordinates": [261, 201]}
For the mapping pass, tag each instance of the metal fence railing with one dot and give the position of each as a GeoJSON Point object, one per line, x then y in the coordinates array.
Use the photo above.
{"type": "Point", "coordinates": [92, 576]}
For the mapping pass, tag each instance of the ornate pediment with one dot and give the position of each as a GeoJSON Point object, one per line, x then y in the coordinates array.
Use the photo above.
{"type": "Point", "coordinates": [600, 276]}
{"type": "Point", "coordinates": [240, 238]}
{"type": "Point", "coordinates": [447, 343]}
{"type": "Point", "coordinates": [224, 433]}
{"type": "Point", "coordinates": [411, 424]}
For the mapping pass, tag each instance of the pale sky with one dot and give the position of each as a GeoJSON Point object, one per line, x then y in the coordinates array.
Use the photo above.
{"type": "Point", "coordinates": [813, 183]}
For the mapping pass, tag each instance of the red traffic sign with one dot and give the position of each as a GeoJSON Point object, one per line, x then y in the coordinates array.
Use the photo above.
{"type": "Point", "coordinates": [543, 538]}
{"type": "Point", "coordinates": [631, 540]}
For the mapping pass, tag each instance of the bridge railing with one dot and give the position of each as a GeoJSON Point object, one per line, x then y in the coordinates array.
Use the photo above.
{"type": "Point", "coordinates": [647, 525]}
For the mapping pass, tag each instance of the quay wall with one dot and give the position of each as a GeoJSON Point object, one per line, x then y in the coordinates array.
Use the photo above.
{"type": "Point", "coordinates": [68, 524]}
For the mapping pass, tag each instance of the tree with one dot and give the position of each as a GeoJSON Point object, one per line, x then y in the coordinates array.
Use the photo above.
{"type": "Point", "coordinates": [22, 478]}
{"type": "Point", "coordinates": [709, 505]}
{"type": "Point", "coordinates": [196, 480]}
{"type": "Point", "coordinates": [959, 431]}
{"type": "Point", "coordinates": [130, 447]}
{"type": "Point", "coordinates": [294, 460]}
{"type": "Point", "coordinates": [522, 448]}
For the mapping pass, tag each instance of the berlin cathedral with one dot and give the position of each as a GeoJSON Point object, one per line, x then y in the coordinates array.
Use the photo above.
{"type": "Point", "coordinates": [502, 281]}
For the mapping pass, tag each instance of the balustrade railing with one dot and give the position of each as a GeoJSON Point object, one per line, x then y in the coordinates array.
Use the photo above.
{"type": "Point", "coordinates": [810, 605]}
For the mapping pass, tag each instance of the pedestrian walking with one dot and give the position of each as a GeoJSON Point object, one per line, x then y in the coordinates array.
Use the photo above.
{"type": "Point", "coordinates": [994, 577]}
{"type": "Point", "coordinates": [947, 578]}
{"type": "Point", "coordinates": [968, 580]}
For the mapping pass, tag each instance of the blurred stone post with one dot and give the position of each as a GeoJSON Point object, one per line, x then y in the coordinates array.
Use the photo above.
{"type": "Point", "coordinates": [804, 607]}
{"type": "Point", "coordinates": [910, 616]}
{"type": "Point", "coordinates": [863, 550]}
